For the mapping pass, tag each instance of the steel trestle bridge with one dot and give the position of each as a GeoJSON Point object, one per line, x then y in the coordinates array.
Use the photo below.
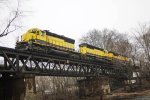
{"type": "Point", "coordinates": [42, 64]}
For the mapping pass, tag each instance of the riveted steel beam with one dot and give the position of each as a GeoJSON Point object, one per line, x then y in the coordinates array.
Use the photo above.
{"type": "Point", "coordinates": [25, 62]}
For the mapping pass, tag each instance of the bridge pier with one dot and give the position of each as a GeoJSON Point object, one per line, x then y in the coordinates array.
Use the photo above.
{"type": "Point", "coordinates": [93, 87]}
{"type": "Point", "coordinates": [11, 87]}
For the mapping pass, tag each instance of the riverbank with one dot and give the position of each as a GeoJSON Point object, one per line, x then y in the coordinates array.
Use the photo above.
{"type": "Point", "coordinates": [126, 95]}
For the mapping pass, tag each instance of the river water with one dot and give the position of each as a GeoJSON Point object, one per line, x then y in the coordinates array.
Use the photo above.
{"type": "Point", "coordinates": [142, 98]}
{"type": "Point", "coordinates": [136, 98]}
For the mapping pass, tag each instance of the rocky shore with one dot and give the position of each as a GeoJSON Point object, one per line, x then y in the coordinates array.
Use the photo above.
{"type": "Point", "coordinates": [127, 95]}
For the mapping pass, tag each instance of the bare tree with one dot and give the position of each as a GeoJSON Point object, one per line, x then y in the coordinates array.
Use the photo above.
{"type": "Point", "coordinates": [11, 24]}
{"type": "Point", "coordinates": [122, 45]}
{"type": "Point", "coordinates": [110, 40]}
{"type": "Point", "coordinates": [142, 37]}
{"type": "Point", "coordinates": [92, 37]}
{"type": "Point", "coordinates": [54, 88]}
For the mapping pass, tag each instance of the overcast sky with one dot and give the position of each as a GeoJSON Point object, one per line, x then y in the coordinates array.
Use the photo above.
{"type": "Point", "coordinates": [73, 18]}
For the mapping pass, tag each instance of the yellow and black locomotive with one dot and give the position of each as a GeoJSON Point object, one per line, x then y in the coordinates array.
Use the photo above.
{"type": "Point", "coordinates": [44, 40]}
{"type": "Point", "coordinates": [87, 49]}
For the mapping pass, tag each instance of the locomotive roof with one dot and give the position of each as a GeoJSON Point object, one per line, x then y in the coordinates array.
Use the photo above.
{"type": "Point", "coordinates": [59, 36]}
{"type": "Point", "coordinates": [116, 54]}
{"type": "Point", "coordinates": [90, 46]}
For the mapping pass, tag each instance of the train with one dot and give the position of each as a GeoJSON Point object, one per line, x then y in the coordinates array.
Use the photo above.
{"type": "Point", "coordinates": [36, 39]}
{"type": "Point", "coordinates": [99, 52]}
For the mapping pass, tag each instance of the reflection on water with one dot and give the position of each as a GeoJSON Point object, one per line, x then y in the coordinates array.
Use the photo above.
{"type": "Point", "coordinates": [142, 98]}
{"type": "Point", "coordinates": [136, 98]}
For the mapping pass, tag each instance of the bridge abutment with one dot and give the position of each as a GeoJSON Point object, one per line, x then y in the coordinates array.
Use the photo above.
{"type": "Point", "coordinates": [12, 88]}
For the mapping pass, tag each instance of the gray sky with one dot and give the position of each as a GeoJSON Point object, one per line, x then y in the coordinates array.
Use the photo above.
{"type": "Point", "coordinates": [73, 18]}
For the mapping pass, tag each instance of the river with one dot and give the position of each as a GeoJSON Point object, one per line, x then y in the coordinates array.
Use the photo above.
{"type": "Point", "coordinates": [142, 98]}
{"type": "Point", "coordinates": [135, 98]}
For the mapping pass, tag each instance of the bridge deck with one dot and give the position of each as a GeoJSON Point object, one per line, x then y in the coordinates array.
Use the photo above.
{"type": "Point", "coordinates": [25, 62]}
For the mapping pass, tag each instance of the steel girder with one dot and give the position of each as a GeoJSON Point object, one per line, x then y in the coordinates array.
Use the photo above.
{"type": "Point", "coordinates": [25, 62]}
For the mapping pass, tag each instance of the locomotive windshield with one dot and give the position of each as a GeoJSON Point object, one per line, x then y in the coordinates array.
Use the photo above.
{"type": "Point", "coordinates": [32, 31]}
{"type": "Point", "coordinates": [37, 31]}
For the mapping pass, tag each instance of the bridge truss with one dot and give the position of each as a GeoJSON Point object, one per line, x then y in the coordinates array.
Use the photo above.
{"type": "Point", "coordinates": [38, 63]}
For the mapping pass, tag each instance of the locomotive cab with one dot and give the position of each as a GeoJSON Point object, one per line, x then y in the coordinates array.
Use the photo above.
{"type": "Point", "coordinates": [34, 35]}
